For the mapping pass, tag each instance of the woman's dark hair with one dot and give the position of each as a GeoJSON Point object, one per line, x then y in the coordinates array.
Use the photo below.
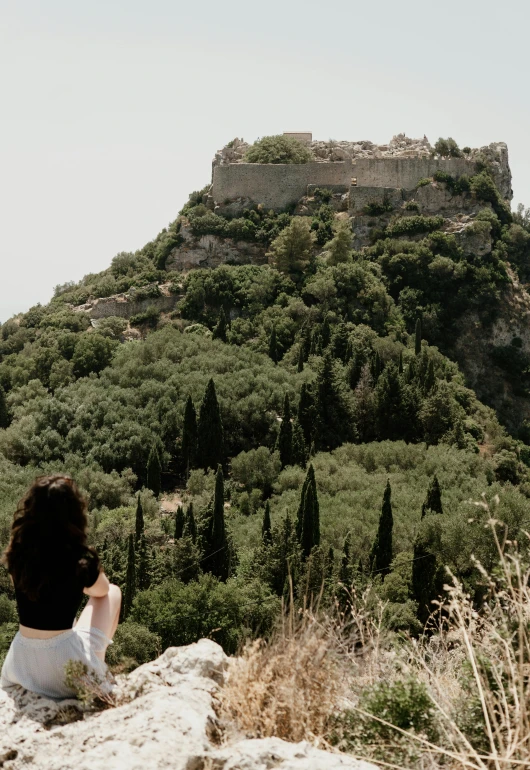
{"type": "Point", "coordinates": [48, 535]}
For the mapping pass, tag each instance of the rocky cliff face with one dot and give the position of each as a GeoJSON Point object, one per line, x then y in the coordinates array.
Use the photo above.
{"type": "Point", "coordinates": [212, 251]}
{"type": "Point", "coordinates": [476, 346]}
{"type": "Point", "coordinates": [166, 720]}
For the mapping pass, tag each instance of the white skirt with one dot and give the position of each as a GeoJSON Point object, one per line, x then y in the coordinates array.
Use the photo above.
{"type": "Point", "coordinates": [38, 664]}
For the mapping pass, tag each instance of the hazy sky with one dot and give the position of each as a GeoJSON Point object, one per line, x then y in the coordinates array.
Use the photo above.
{"type": "Point", "coordinates": [111, 110]}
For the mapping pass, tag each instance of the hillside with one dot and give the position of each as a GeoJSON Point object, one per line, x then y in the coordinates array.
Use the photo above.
{"type": "Point", "coordinates": [289, 401]}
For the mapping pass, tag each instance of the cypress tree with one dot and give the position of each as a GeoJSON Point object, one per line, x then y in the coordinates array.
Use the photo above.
{"type": "Point", "coordinates": [143, 578]}
{"type": "Point", "coordinates": [189, 436]}
{"type": "Point", "coordinates": [266, 529]}
{"type": "Point", "coordinates": [305, 343]}
{"type": "Point", "coordinates": [316, 342]}
{"type": "Point", "coordinates": [389, 411]}
{"type": "Point", "coordinates": [130, 579]}
{"type": "Point", "coordinates": [333, 420]}
{"type": "Point", "coordinates": [339, 342]}
{"type": "Point", "coordinates": [364, 406]}
{"type": "Point", "coordinates": [4, 413]}
{"type": "Point", "coordinates": [274, 353]}
{"type": "Point", "coordinates": [422, 367]}
{"type": "Point", "coordinates": [430, 378]}
{"type": "Point", "coordinates": [285, 436]}
{"type": "Point", "coordinates": [300, 365]}
{"type": "Point", "coordinates": [381, 555]}
{"type": "Point", "coordinates": [210, 430]}
{"type": "Point", "coordinates": [376, 366]}
{"type": "Point", "coordinates": [411, 371]}
{"type": "Point", "coordinates": [139, 524]}
{"type": "Point", "coordinates": [299, 446]}
{"type": "Point", "coordinates": [308, 519]}
{"type": "Point", "coordinates": [355, 368]}
{"type": "Point", "coordinates": [190, 527]}
{"type": "Point", "coordinates": [217, 556]}
{"type": "Point", "coordinates": [433, 501]}
{"type": "Point", "coordinates": [154, 470]}
{"type": "Point", "coordinates": [325, 333]}
{"type": "Point", "coordinates": [417, 340]}
{"type": "Point", "coordinates": [219, 333]}
{"type": "Point", "coordinates": [288, 559]}
{"type": "Point", "coordinates": [180, 521]}
{"type": "Point", "coordinates": [427, 572]}
{"type": "Point", "coordinates": [349, 351]}
{"type": "Point", "coordinates": [306, 413]}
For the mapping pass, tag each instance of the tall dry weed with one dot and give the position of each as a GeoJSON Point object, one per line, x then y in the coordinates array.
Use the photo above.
{"type": "Point", "coordinates": [286, 686]}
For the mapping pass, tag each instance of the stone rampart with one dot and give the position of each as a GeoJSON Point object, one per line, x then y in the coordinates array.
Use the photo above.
{"type": "Point", "coordinates": [276, 186]}
{"type": "Point", "coordinates": [123, 307]}
{"type": "Point", "coordinates": [405, 173]}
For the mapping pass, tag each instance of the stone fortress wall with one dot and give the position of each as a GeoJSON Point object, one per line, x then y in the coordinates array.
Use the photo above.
{"type": "Point", "coordinates": [405, 173]}
{"type": "Point", "coordinates": [276, 186]}
{"type": "Point", "coordinates": [362, 168]}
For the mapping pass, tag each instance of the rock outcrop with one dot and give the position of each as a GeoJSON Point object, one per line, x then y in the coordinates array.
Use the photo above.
{"type": "Point", "coordinates": [212, 251]}
{"type": "Point", "coordinates": [166, 720]}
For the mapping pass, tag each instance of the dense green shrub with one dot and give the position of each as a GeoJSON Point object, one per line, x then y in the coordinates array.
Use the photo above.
{"type": "Point", "coordinates": [483, 187]}
{"type": "Point", "coordinates": [225, 612]}
{"type": "Point", "coordinates": [148, 318]}
{"type": "Point", "coordinates": [457, 185]}
{"type": "Point", "coordinates": [375, 208]}
{"type": "Point", "coordinates": [413, 225]}
{"type": "Point", "coordinates": [145, 292]}
{"type": "Point", "coordinates": [278, 149]}
{"type": "Point", "coordinates": [322, 194]}
{"type": "Point", "coordinates": [133, 645]}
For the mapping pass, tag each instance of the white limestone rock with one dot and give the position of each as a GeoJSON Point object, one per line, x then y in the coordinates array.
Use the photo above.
{"type": "Point", "coordinates": [167, 720]}
{"type": "Point", "coordinates": [265, 753]}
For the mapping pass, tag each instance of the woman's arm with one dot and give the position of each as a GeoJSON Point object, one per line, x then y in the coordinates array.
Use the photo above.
{"type": "Point", "coordinates": [100, 587]}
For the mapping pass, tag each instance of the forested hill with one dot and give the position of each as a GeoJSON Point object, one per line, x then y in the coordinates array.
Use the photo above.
{"type": "Point", "coordinates": [303, 417]}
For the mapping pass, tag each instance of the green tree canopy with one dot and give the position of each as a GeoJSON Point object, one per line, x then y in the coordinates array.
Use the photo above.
{"type": "Point", "coordinates": [278, 149]}
{"type": "Point", "coordinates": [291, 251]}
{"type": "Point", "coordinates": [339, 248]}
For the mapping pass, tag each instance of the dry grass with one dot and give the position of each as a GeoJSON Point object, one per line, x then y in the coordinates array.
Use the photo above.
{"type": "Point", "coordinates": [474, 667]}
{"type": "Point", "coordinates": [287, 686]}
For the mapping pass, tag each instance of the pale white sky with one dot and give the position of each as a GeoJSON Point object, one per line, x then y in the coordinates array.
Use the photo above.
{"type": "Point", "coordinates": [111, 110]}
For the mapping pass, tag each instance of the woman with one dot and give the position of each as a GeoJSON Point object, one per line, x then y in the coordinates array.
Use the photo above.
{"type": "Point", "coordinates": [52, 566]}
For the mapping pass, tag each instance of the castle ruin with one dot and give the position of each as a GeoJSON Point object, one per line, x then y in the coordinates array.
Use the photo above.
{"type": "Point", "coordinates": [360, 171]}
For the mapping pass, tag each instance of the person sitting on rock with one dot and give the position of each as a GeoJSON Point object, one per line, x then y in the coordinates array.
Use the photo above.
{"type": "Point", "coordinates": [51, 567]}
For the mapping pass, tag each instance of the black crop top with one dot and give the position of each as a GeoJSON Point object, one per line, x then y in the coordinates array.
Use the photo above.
{"type": "Point", "coordinates": [57, 606]}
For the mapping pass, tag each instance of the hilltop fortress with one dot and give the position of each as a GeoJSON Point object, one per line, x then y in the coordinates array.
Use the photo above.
{"type": "Point", "coordinates": [361, 172]}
